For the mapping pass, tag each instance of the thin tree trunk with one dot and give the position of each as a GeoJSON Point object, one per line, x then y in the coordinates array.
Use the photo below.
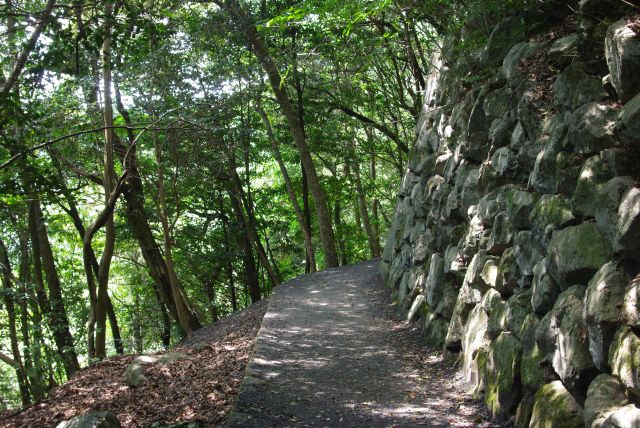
{"type": "Point", "coordinates": [337, 212]}
{"type": "Point", "coordinates": [227, 249]}
{"type": "Point", "coordinates": [374, 245]}
{"type": "Point", "coordinates": [176, 289]}
{"type": "Point", "coordinates": [52, 308]}
{"type": "Point", "coordinates": [32, 348]}
{"type": "Point", "coordinates": [139, 222]}
{"type": "Point", "coordinates": [309, 266]}
{"type": "Point", "coordinates": [264, 57]}
{"type": "Point", "coordinates": [108, 183]}
{"type": "Point", "coordinates": [138, 335]}
{"type": "Point", "coordinates": [249, 223]}
{"type": "Point", "coordinates": [306, 234]}
{"type": "Point", "coordinates": [244, 241]}
{"type": "Point", "coordinates": [21, 60]}
{"type": "Point", "coordinates": [210, 290]}
{"type": "Point", "coordinates": [166, 322]}
{"type": "Point", "coordinates": [8, 297]}
{"type": "Point", "coordinates": [72, 211]}
{"type": "Point", "coordinates": [374, 202]}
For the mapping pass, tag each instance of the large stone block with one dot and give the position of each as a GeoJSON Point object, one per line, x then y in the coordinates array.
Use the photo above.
{"type": "Point", "coordinates": [591, 128]}
{"type": "Point", "coordinates": [503, 376]}
{"type": "Point", "coordinates": [533, 371]}
{"type": "Point", "coordinates": [502, 234]}
{"type": "Point", "coordinates": [628, 123]}
{"type": "Point", "coordinates": [518, 204]}
{"type": "Point", "coordinates": [504, 35]}
{"type": "Point", "coordinates": [602, 302]}
{"type": "Point", "coordinates": [545, 291]}
{"type": "Point", "coordinates": [526, 252]}
{"type": "Point", "coordinates": [625, 417]}
{"type": "Point", "coordinates": [624, 358]}
{"type": "Point", "coordinates": [622, 49]}
{"type": "Point", "coordinates": [604, 397]}
{"type": "Point", "coordinates": [554, 406]}
{"type": "Point", "coordinates": [593, 176]}
{"type": "Point", "coordinates": [576, 253]}
{"type": "Point", "coordinates": [551, 212]}
{"type": "Point", "coordinates": [630, 314]}
{"type": "Point", "coordinates": [562, 337]}
{"type": "Point", "coordinates": [474, 338]}
{"type": "Point", "coordinates": [574, 87]}
{"type": "Point", "coordinates": [92, 420]}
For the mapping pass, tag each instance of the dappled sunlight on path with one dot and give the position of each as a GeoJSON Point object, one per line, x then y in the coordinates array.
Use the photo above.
{"type": "Point", "coordinates": [330, 353]}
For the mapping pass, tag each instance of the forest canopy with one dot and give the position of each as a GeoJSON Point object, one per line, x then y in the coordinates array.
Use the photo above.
{"type": "Point", "coordinates": [165, 163]}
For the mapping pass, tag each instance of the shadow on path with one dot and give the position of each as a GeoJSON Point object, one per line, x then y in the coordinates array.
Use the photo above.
{"type": "Point", "coordinates": [329, 353]}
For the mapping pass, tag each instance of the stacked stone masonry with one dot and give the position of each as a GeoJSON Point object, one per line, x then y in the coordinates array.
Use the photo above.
{"type": "Point", "coordinates": [516, 237]}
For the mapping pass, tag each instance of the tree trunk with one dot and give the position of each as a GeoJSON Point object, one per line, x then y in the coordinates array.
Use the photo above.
{"type": "Point", "coordinates": [227, 249]}
{"type": "Point", "coordinates": [306, 234]}
{"type": "Point", "coordinates": [32, 348]}
{"type": "Point", "coordinates": [374, 245]}
{"type": "Point", "coordinates": [108, 183]}
{"type": "Point", "coordinates": [244, 241]}
{"type": "Point", "coordinates": [139, 223]}
{"type": "Point", "coordinates": [309, 267]}
{"type": "Point", "coordinates": [210, 290]}
{"type": "Point", "coordinates": [53, 307]}
{"type": "Point", "coordinates": [341, 242]}
{"type": "Point", "coordinates": [72, 211]}
{"type": "Point", "coordinates": [176, 289]}
{"type": "Point", "coordinates": [264, 57]}
{"type": "Point", "coordinates": [8, 297]}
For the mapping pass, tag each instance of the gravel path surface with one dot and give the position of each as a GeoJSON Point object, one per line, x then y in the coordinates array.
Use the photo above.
{"type": "Point", "coordinates": [332, 352]}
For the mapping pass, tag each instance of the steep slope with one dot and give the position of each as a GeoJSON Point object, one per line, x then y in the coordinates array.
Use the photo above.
{"type": "Point", "coordinates": [199, 388]}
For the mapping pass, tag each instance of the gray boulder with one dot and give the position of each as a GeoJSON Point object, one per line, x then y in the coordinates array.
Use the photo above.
{"type": "Point", "coordinates": [416, 307]}
{"type": "Point", "coordinates": [574, 87]}
{"type": "Point", "coordinates": [622, 50]}
{"type": "Point", "coordinates": [624, 358]}
{"type": "Point", "coordinates": [474, 338]}
{"type": "Point", "coordinates": [551, 212]}
{"type": "Point", "coordinates": [593, 177]}
{"type": "Point", "coordinates": [533, 372]}
{"type": "Point", "coordinates": [554, 406]}
{"type": "Point", "coordinates": [602, 302]}
{"type": "Point", "coordinates": [505, 162]}
{"type": "Point", "coordinates": [526, 252]}
{"type": "Point", "coordinates": [514, 57]}
{"type": "Point", "coordinates": [568, 166]}
{"type": "Point", "coordinates": [544, 289]}
{"type": "Point", "coordinates": [502, 234]}
{"type": "Point", "coordinates": [503, 372]}
{"type": "Point", "coordinates": [625, 417]}
{"type": "Point", "coordinates": [135, 371]}
{"type": "Point", "coordinates": [435, 280]}
{"type": "Point", "coordinates": [504, 35]}
{"type": "Point", "coordinates": [604, 397]}
{"type": "Point", "coordinates": [562, 332]}
{"type": "Point", "coordinates": [591, 128]}
{"type": "Point", "coordinates": [92, 420]}
{"type": "Point", "coordinates": [543, 176]}
{"type": "Point", "coordinates": [564, 51]}
{"type": "Point", "coordinates": [509, 273]}
{"type": "Point", "coordinates": [518, 204]}
{"type": "Point", "coordinates": [576, 253]}
{"type": "Point", "coordinates": [631, 305]}
{"type": "Point", "coordinates": [628, 123]}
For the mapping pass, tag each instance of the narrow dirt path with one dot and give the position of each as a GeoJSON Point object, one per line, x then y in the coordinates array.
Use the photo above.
{"type": "Point", "coordinates": [332, 352]}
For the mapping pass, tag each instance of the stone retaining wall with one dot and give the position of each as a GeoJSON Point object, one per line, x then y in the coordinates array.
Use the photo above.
{"type": "Point", "coordinates": [516, 236]}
